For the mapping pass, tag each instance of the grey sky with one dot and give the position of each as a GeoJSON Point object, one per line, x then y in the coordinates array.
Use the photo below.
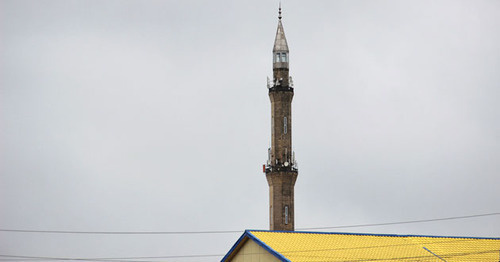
{"type": "Point", "coordinates": [154, 116]}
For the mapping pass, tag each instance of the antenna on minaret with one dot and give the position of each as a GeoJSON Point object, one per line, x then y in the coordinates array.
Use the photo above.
{"type": "Point", "coordinates": [279, 12]}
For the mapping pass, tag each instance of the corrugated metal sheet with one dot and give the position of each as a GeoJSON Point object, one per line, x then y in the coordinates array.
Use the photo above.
{"type": "Point", "coordinates": [314, 246]}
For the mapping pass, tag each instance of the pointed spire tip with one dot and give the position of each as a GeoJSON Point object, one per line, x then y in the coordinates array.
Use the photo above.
{"type": "Point", "coordinates": [279, 11]}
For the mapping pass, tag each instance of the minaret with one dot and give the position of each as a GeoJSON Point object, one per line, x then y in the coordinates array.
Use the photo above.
{"type": "Point", "coordinates": [281, 169]}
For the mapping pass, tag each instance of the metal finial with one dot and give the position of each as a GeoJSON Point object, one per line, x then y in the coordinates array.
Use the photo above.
{"type": "Point", "coordinates": [279, 12]}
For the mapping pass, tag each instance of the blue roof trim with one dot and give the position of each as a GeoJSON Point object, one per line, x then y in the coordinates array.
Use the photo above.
{"type": "Point", "coordinates": [371, 234]}
{"type": "Point", "coordinates": [266, 247]}
{"type": "Point", "coordinates": [233, 248]}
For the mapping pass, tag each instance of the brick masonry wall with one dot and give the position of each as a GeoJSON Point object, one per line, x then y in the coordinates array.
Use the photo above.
{"type": "Point", "coordinates": [281, 194]}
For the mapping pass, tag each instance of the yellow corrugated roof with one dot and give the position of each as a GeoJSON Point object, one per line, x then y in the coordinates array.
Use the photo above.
{"type": "Point", "coordinates": [305, 246]}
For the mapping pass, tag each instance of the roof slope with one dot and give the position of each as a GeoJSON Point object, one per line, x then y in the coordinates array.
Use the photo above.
{"type": "Point", "coordinates": [311, 246]}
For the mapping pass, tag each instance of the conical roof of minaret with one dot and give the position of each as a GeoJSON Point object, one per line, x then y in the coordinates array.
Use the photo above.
{"type": "Point", "coordinates": [280, 43]}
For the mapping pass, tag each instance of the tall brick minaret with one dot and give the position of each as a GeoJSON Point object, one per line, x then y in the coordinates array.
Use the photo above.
{"type": "Point", "coordinates": [281, 169]}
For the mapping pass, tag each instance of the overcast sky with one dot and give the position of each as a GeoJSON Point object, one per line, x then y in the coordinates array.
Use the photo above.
{"type": "Point", "coordinates": [152, 115]}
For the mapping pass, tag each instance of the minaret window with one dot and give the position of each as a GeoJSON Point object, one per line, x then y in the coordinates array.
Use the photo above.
{"type": "Point", "coordinates": [280, 57]}
{"type": "Point", "coordinates": [286, 215]}
{"type": "Point", "coordinates": [284, 125]}
{"type": "Point", "coordinates": [271, 212]}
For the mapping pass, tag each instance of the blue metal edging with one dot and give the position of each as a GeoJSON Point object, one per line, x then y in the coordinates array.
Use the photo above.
{"type": "Point", "coordinates": [266, 247]}
{"type": "Point", "coordinates": [248, 235]}
{"type": "Point", "coordinates": [240, 240]}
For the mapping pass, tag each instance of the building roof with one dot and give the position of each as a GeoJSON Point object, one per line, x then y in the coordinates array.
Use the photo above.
{"type": "Point", "coordinates": [319, 246]}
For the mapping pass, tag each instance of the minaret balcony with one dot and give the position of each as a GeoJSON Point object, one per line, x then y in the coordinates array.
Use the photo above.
{"type": "Point", "coordinates": [281, 166]}
{"type": "Point", "coordinates": [280, 84]}
{"type": "Point", "coordinates": [270, 169]}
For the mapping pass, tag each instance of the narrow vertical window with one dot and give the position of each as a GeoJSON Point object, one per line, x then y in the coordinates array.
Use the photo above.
{"type": "Point", "coordinates": [277, 57]}
{"type": "Point", "coordinates": [284, 125]}
{"type": "Point", "coordinates": [283, 57]}
{"type": "Point", "coordinates": [273, 126]}
{"type": "Point", "coordinates": [271, 214]}
{"type": "Point", "coordinates": [286, 215]}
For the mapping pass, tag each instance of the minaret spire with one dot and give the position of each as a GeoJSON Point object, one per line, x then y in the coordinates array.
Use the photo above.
{"type": "Point", "coordinates": [280, 54]}
{"type": "Point", "coordinates": [280, 43]}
